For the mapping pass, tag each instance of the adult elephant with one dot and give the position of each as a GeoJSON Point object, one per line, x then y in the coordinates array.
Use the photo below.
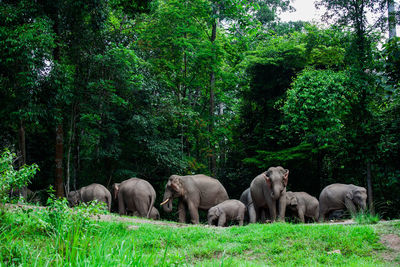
{"type": "Point", "coordinates": [246, 199]}
{"type": "Point", "coordinates": [89, 193]}
{"type": "Point", "coordinates": [268, 189]}
{"type": "Point", "coordinates": [194, 192]}
{"type": "Point", "coordinates": [134, 196]}
{"type": "Point", "coordinates": [341, 196]}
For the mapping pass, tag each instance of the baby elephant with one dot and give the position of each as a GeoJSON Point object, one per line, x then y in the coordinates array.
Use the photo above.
{"type": "Point", "coordinates": [304, 204]}
{"type": "Point", "coordinates": [229, 210]}
{"type": "Point", "coordinates": [89, 193]}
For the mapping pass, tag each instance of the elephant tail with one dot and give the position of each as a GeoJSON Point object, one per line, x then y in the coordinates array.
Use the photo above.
{"type": "Point", "coordinates": [152, 199]}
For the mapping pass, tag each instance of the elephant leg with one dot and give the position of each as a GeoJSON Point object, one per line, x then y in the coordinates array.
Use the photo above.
{"type": "Point", "coordinates": [262, 216]}
{"type": "Point", "coordinates": [282, 208]}
{"type": "Point", "coordinates": [316, 214]}
{"type": "Point", "coordinates": [240, 220]}
{"type": "Point", "coordinates": [182, 211]}
{"type": "Point", "coordinates": [252, 213]}
{"type": "Point", "coordinates": [121, 206]}
{"type": "Point", "coordinates": [253, 216]}
{"type": "Point", "coordinates": [301, 215]}
{"type": "Point", "coordinates": [322, 213]}
{"type": "Point", "coordinates": [194, 213]}
{"type": "Point", "coordinates": [272, 211]}
{"type": "Point", "coordinates": [222, 219]}
{"type": "Point", "coordinates": [142, 209]}
{"type": "Point", "coordinates": [350, 206]}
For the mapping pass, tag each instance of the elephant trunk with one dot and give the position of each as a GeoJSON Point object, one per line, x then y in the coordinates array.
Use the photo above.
{"type": "Point", "coordinates": [275, 193]}
{"type": "Point", "coordinates": [167, 202]}
{"type": "Point", "coordinates": [168, 206]}
{"type": "Point", "coordinates": [363, 207]}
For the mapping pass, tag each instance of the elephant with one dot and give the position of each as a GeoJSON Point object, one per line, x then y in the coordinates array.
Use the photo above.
{"type": "Point", "coordinates": [194, 192]}
{"type": "Point", "coordinates": [229, 210]}
{"type": "Point", "coordinates": [246, 199]}
{"type": "Point", "coordinates": [266, 190]}
{"type": "Point", "coordinates": [341, 196]}
{"type": "Point", "coordinates": [134, 195]}
{"type": "Point", "coordinates": [89, 193]}
{"type": "Point", "coordinates": [154, 214]}
{"type": "Point", "coordinates": [303, 204]}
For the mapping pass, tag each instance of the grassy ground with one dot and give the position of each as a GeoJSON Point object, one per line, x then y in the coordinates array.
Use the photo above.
{"type": "Point", "coordinates": [32, 238]}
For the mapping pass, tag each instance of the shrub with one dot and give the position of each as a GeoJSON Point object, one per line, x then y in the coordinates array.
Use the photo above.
{"type": "Point", "coordinates": [12, 178]}
{"type": "Point", "coordinates": [366, 218]}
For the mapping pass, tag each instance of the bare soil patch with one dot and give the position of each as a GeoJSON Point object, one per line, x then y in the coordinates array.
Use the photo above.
{"type": "Point", "coordinates": [392, 242]}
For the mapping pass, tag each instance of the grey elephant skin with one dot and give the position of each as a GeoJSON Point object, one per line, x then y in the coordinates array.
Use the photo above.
{"type": "Point", "coordinates": [194, 192]}
{"type": "Point", "coordinates": [267, 190]}
{"type": "Point", "coordinates": [229, 210]}
{"type": "Point", "coordinates": [89, 193]}
{"type": "Point", "coordinates": [303, 204]}
{"type": "Point", "coordinates": [342, 196]}
{"type": "Point", "coordinates": [134, 196]}
{"type": "Point", "coordinates": [246, 199]}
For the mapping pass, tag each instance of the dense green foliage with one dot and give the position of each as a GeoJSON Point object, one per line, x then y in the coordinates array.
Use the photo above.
{"type": "Point", "coordinates": [58, 237]}
{"type": "Point", "coordinates": [12, 178]}
{"type": "Point", "coordinates": [154, 88]}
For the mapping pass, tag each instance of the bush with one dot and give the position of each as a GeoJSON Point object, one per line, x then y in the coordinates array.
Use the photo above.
{"type": "Point", "coordinates": [366, 218]}
{"type": "Point", "coordinates": [12, 178]}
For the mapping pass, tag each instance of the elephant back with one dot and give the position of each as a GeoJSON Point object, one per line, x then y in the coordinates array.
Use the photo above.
{"type": "Point", "coordinates": [211, 191]}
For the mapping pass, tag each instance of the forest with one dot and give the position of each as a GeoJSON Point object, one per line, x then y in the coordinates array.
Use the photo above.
{"type": "Point", "coordinates": [105, 90]}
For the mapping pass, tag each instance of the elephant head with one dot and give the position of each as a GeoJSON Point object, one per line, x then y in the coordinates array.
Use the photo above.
{"type": "Point", "coordinates": [359, 197]}
{"type": "Point", "coordinates": [277, 180]}
{"type": "Point", "coordinates": [155, 215]}
{"type": "Point", "coordinates": [115, 190]}
{"type": "Point", "coordinates": [291, 199]}
{"type": "Point", "coordinates": [173, 189]}
{"type": "Point", "coordinates": [74, 197]}
{"type": "Point", "coordinates": [213, 214]}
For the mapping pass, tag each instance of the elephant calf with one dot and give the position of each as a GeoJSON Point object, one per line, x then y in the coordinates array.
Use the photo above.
{"type": "Point", "coordinates": [89, 193]}
{"type": "Point", "coordinates": [303, 204]}
{"type": "Point", "coordinates": [229, 210]}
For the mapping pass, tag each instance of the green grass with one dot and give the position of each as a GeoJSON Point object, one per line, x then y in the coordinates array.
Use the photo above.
{"type": "Point", "coordinates": [366, 218]}
{"type": "Point", "coordinates": [27, 242]}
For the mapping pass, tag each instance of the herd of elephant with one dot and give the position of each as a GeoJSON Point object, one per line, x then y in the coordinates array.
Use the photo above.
{"type": "Point", "coordinates": [266, 194]}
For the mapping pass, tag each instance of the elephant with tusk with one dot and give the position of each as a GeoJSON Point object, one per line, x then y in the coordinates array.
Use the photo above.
{"type": "Point", "coordinates": [194, 192]}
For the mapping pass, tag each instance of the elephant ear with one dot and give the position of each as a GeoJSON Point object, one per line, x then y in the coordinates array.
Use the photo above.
{"type": "Point", "coordinates": [218, 212]}
{"type": "Point", "coordinates": [267, 179]}
{"type": "Point", "coordinates": [115, 188]}
{"type": "Point", "coordinates": [285, 177]}
{"type": "Point", "coordinates": [349, 195]}
{"type": "Point", "coordinates": [176, 183]}
{"type": "Point", "coordinates": [293, 201]}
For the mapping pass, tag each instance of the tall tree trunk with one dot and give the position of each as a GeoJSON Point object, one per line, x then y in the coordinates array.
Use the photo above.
{"type": "Point", "coordinates": [72, 131]}
{"type": "Point", "coordinates": [369, 187]}
{"type": "Point", "coordinates": [391, 19]}
{"type": "Point", "coordinates": [22, 149]}
{"type": "Point", "coordinates": [213, 162]}
{"type": "Point", "coordinates": [59, 161]}
{"type": "Point", "coordinates": [58, 181]}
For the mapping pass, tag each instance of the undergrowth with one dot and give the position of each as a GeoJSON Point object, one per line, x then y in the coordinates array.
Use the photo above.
{"type": "Point", "coordinates": [59, 236]}
{"type": "Point", "coordinates": [366, 218]}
